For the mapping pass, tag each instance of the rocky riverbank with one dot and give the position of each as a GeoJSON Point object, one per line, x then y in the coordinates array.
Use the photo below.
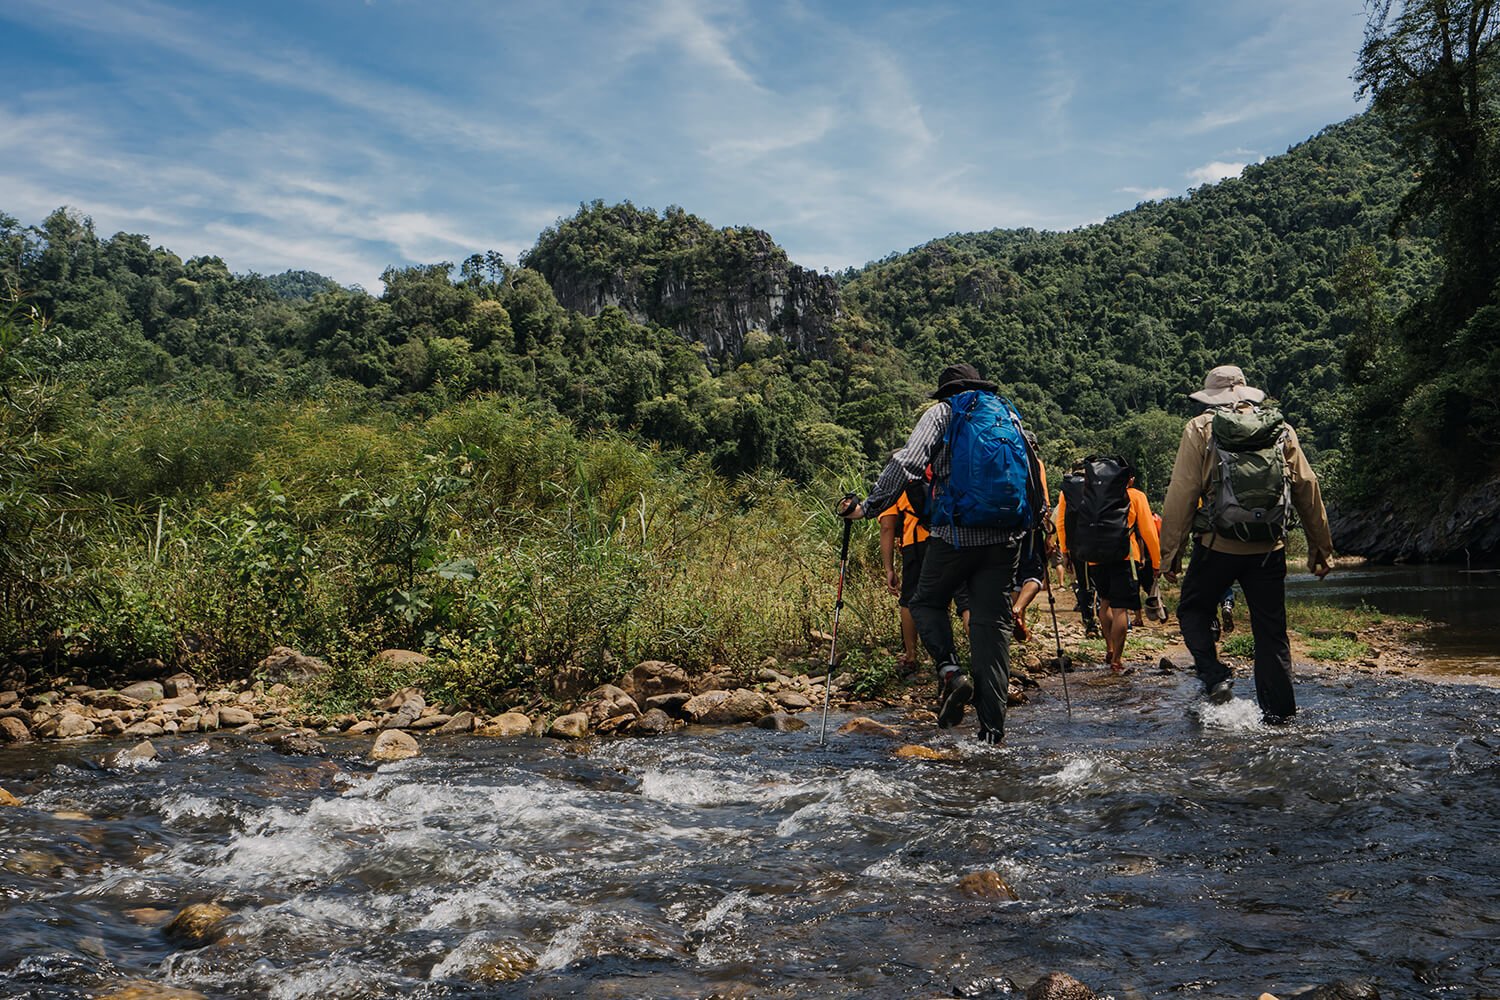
{"type": "Point", "coordinates": [1466, 527]}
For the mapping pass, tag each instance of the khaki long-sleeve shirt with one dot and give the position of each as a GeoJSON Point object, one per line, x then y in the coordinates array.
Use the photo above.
{"type": "Point", "coordinates": [1191, 475]}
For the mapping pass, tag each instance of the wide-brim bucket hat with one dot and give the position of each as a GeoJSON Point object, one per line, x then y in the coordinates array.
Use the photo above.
{"type": "Point", "coordinates": [1224, 385]}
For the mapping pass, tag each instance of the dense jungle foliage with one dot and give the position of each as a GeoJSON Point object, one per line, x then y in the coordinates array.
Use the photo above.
{"type": "Point", "coordinates": [199, 464]}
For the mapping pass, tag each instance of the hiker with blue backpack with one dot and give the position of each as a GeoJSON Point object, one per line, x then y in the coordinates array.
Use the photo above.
{"type": "Point", "coordinates": [1239, 476]}
{"type": "Point", "coordinates": [985, 497]}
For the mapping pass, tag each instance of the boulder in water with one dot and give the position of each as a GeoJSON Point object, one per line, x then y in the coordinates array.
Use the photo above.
{"type": "Point", "coordinates": [505, 963]}
{"type": "Point", "coordinates": [780, 722]}
{"type": "Point", "coordinates": [724, 707]}
{"type": "Point", "coordinates": [197, 923]}
{"type": "Point", "coordinates": [865, 726]}
{"type": "Point", "coordinates": [296, 744]}
{"type": "Point", "coordinates": [653, 723]}
{"type": "Point", "coordinates": [463, 722]}
{"type": "Point", "coordinates": [573, 726]}
{"type": "Point", "coordinates": [393, 744]}
{"type": "Point", "coordinates": [144, 990]}
{"type": "Point", "coordinates": [987, 885]}
{"type": "Point", "coordinates": [138, 754]}
{"type": "Point", "coordinates": [1058, 986]}
{"type": "Point", "coordinates": [915, 751]}
{"type": "Point", "coordinates": [673, 704]}
{"type": "Point", "coordinates": [509, 724]}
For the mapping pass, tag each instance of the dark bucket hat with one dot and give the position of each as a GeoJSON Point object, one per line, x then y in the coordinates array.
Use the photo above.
{"type": "Point", "coordinates": [960, 378]}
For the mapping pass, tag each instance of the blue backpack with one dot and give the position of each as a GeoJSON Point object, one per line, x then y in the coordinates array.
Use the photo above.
{"type": "Point", "coordinates": [991, 468]}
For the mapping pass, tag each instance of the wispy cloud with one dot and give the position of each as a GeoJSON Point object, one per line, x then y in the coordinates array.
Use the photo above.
{"type": "Point", "coordinates": [1147, 193]}
{"type": "Point", "coordinates": [1214, 171]}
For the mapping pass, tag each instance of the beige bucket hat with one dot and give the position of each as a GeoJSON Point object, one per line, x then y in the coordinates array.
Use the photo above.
{"type": "Point", "coordinates": [1226, 384]}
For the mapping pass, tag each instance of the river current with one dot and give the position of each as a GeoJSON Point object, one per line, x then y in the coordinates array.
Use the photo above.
{"type": "Point", "coordinates": [1158, 848]}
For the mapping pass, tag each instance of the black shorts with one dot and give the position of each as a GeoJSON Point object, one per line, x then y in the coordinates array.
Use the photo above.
{"type": "Point", "coordinates": [1117, 583]}
{"type": "Point", "coordinates": [911, 572]}
{"type": "Point", "coordinates": [1031, 567]}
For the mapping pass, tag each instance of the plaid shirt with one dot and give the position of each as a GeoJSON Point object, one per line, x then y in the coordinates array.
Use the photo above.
{"type": "Point", "coordinates": [928, 444]}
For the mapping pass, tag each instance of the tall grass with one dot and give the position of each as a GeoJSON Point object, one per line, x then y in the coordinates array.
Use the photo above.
{"type": "Point", "coordinates": [527, 560]}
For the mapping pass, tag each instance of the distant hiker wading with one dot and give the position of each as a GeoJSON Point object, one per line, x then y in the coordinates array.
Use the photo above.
{"type": "Point", "coordinates": [1239, 474]}
{"type": "Point", "coordinates": [985, 497]}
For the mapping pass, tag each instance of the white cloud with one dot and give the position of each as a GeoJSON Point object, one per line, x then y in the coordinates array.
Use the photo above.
{"type": "Point", "coordinates": [1214, 171]}
{"type": "Point", "coordinates": [1147, 193]}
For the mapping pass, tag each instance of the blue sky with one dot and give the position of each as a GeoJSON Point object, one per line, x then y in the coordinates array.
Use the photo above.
{"type": "Point", "coordinates": [346, 136]}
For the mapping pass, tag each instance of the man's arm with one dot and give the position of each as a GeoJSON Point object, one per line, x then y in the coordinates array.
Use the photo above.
{"type": "Point", "coordinates": [1183, 493]}
{"type": "Point", "coordinates": [1307, 497]}
{"type": "Point", "coordinates": [889, 521]}
{"type": "Point", "coordinates": [909, 463]}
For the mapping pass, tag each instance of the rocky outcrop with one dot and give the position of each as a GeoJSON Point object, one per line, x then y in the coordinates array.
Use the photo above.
{"type": "Point", "coordinates": [1388, 533]}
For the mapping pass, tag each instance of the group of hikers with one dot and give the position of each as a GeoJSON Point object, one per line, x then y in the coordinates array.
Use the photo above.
{"type": "Point", "coordinates": [967, 503]}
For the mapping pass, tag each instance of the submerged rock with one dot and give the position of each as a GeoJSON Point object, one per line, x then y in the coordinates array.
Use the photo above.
{"type": "Point", "coordinates": [296, 744]}
{"type": "Point", "coordinates": [987, 885]}
{"type": "Point", "coordinates": [1058, 986]}
{"type": "Point", "coordinates": [505, 963]}
{"type": "Point", "coordinates": [653, 723]}
{"type": "Point", "coordinates": [393, 744]}
{"type": "Point", "coordinates": [509, 724]}
{"type": "Point", "coordinates": [138, 754]}
{"type": "Point", "coordinates": [144, 990]}
{"type": "Point", "coordinates": [916, 751]}
{"type": "Point", "coordinates": [197, 923]}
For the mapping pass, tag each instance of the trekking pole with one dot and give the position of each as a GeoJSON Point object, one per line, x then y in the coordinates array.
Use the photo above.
{"type": "Point", "coordinates": [838, 606]}
{"type": "Point", "coordinates": [1064, 662]}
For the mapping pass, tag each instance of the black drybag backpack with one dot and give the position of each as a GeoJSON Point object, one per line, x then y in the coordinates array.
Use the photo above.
{"type": "Point", "coordinates": [1101, 533]}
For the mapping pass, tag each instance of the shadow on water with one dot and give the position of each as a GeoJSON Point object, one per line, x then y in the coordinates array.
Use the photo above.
{"type": "Point", "coordinates": [1155, 849]}
{"type": "Point", "coordinates": [1465, 607]}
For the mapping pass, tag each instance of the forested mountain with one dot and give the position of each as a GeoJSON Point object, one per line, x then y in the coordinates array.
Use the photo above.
{"type": "Point", "coordinates": [710, 340]}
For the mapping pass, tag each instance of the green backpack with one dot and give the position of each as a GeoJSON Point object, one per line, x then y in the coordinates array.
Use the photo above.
{"type": "Point", "coordinates": [1249, 493]}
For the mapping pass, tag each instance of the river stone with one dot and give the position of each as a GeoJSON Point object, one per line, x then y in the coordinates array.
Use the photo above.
{"type": "Point", "coordinates": [144, 691]}
{"type": "Point", "coordinates": [362, 727]}
{"type": "Point", "coordinates": [986, 885]}
{"type": "Point", "coordinates": [780, 722]}
{"type": "Point", "coordinates": [7, 799]}
{"type": "Point", "coordinates": [915, 751]}
{"type": "Point", "coordinates": [233, 715]}
{"type": "Point", "coordinates": [393, 744]}
{"type": "Point", "coordinates": [672, 703]}
{"type": "Point", "coordinates": [505, 963]}
{"type": "Point", "coordinates": [463, 722]}
{"type": "Point", "coordinates": [509, 724]}
{"type": "Point", "coordinates": [138, 754]}
{"type": "Point", "coordinates": [14, 731]}
{"type": "Point", "coordinates": [9, 699]}
{"type": "Point", "coordinates": [427, 722]}
{"type": "Point", "coordinates": [653, 723]}
{"type": "Point", "coordinates": [189, 699]}
{"type": "Point", "coordinates": [409, 712]}
{"type": "Point", "coordinates": [1058, 986]}
{"type": "Point", "coordinates": [179, 684]}
{"type": "Point", "coordinates": [286, 665]}
{"type": "Point", "coordinates": [149, 916]}
{"type": "Point", "coordinates": [572, 726]}
{"type": "Point", "coordinates": [864, 726]}
{"type": "Point", "coordinates": [146, 730]}
{"type": "Point", "coordinates": [149, 991]}
{"type": "Point", "coordinates": [70, 725]}
{"type": "Point", "coordinates": [114, 701]}
{"type": "Point", "coordinates": [794, 701]}
{"type": "Point", "coordinates": [739, 705]}
{"type": "Point", "coordinates": [654, 677]}
{"type": "Point", "coordinates": [197, 923]}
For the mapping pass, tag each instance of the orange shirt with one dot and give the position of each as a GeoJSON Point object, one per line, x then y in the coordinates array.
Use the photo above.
{"type": "Point", "coordinates": [1142, 528]}
{"type": "Point", "coordinates": [911, 531]}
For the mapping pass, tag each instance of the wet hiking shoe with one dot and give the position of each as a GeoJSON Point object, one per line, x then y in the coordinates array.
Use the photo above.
{"type": "Point", "coordinates": [1221, 692]}
{"type": "Point", "coordinates": [1227, 614]}
{"type": "Point", "coordinates": [954, 692]}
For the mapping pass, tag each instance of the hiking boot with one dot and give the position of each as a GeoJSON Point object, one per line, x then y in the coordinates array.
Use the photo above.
{"type": "Point", "coordinates": [1221, 692]}
{"type": "Point", "coordinates": [989, 737]}
{"type": "Point", "coordinates": [1226, 614]}
{"type": "Point", "coordinates": [954, 692]}
{"type": "Point", "coordinates": [1090, 630]}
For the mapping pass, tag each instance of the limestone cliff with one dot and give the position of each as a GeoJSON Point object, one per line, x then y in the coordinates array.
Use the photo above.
{"type": "Point", "coordinates": [1470, 524]}
{"type": "Point", "coordinates": [714, 286]}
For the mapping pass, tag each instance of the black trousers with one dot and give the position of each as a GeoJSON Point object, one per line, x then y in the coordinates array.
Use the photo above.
{"type": "Point", "coordinates": [1083, 588]}
{"type": "Point", "coordinates": [1263, 579]}
{"type": "Point", "coordinates": [988, 571]}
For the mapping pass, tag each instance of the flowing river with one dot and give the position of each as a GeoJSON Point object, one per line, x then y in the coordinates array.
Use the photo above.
{"type": "Point", "coordinates": [1157, 848]}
